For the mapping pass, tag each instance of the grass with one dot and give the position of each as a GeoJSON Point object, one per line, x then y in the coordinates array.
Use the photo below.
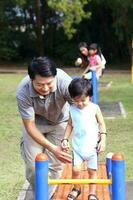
{"type": "Point", "coordinates": [120, 136]}
{"type": "Point", "coordinates": [11, 165]}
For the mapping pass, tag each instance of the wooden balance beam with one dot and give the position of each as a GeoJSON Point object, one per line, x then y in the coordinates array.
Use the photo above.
{"type": "Point", "coordinates": [102, 190]}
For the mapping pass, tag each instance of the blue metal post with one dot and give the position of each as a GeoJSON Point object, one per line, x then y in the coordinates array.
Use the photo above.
{"type": "Point", "coordinates": [41, 177]}
{"type": "Point", "coordinates": [118, 177]}
{"type": "Point", "coordinates": [109, 168]}
{"type": "Point", "coordinates": [94, 86]}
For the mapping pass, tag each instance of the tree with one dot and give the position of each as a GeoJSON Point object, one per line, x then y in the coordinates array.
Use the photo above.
{"type": "Point", "coordinates": [7, 15]}
{"type": "Point", "coordinates": [122, 12]}
{"type": "Point", "coordinates": [70, 13]}
{"type": "Point", "coordinates": [110, 24]}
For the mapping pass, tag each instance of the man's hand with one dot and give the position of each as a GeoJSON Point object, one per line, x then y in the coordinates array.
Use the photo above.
{"type": "Point", "coordinates": [62, 155]}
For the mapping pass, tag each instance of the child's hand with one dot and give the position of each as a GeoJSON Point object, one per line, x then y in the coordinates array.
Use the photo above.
{"type": "Point", "coordinates": [65, 145]}
{"type": "Point", "coordinates": [102, 144]}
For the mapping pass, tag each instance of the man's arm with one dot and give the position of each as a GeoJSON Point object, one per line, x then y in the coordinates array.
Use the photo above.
{"type": "Point", "coordinates": [37, 135]}
{"type": "Point", "coordinates": [39, 138]}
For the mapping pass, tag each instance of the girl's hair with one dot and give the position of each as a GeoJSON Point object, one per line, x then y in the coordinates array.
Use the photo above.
{"type": "Point", "coordinates": [42, 66]}
{"type": "Point", "coordinates": [95, 46]}
{"type": "Point", "coordinates": [79, 87]}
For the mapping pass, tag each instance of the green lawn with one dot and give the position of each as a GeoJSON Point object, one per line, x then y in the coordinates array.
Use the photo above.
{"type": "Point", "coordinates": [120, 131]}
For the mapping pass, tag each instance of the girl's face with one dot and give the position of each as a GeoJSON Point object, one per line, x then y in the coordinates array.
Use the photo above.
{"type": "Point", "coordinates": [92, 52]}
{"type": "Point", "coordinates": [84, 51]}
{"type": "Point", "coordinates": [81, 101]}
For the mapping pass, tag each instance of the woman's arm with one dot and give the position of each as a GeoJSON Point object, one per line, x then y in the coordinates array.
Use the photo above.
{"type": "Point", "coordinates": [40, 139]}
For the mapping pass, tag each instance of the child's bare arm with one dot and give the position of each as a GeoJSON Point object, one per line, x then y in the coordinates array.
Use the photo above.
{"type": "Point", "coordinates": [64, 142]}
{"type": "Point", "coordinates": [102, 130]}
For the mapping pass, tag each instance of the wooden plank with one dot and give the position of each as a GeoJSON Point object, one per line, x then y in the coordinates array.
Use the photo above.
{"type": "Point", "coordinates": [64, 189]}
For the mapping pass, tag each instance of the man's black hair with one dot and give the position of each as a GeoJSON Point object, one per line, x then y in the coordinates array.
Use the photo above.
{"type": "Point", "coordinates": [79, 87]}
{"type": "Point", "coordinates": [42, 66]}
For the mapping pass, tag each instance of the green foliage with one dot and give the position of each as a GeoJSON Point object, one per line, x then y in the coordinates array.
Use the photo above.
{"type": "Point", "coordinates": [122, 12]}
{"type": "Point", "coordinates": [70, 12]}
{"type": "Point", "coordinates": [30, 28]}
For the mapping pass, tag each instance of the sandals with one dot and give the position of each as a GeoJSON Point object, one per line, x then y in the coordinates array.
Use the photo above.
{"type": "Point", "coordinates": [92, 197]}
{"type": "Point", "coordinates": [74, 197]}
{"type": "Point", "coordinates": [78, 192]}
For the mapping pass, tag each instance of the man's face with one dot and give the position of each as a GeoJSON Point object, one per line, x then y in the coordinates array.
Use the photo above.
{"type": "Point", "coordinates": [43, 85]}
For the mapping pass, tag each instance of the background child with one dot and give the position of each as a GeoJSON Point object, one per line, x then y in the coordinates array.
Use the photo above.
{"type": "Point", "coordinates": [86, 123]}
{"type": "Point", "coordinates": [91, 58]}
{"type": "Point", "coordinates": [96, 60]}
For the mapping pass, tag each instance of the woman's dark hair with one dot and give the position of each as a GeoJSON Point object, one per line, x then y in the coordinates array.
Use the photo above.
{"type": "Point", "coordinates": [42, 66]}
{"type": "Point", "coordinates": [83, 44]}
{"type": "Point", "coordinates": [80, 86]}
{"type": "Point", "coordinates": [95, 46]}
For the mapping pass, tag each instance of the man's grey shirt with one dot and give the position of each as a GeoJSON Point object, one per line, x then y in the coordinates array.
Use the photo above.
{"type": "Point", "coordinates": [51, 109]}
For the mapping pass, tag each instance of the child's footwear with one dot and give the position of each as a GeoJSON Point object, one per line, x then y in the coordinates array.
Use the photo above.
{"type": "Point", "coordinates": [92, 197]}
{"type": "Point", "coordinates": [74, 194]}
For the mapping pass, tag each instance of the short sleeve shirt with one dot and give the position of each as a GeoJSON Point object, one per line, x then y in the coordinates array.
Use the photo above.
{"type": "Point", "coordinates": [94, 60]}
{"type": "Point", "coordinates": [51, 109]}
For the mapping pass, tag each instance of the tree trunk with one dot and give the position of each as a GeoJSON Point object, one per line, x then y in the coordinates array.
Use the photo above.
{"type": "Point", "coordinates": [38, 28]}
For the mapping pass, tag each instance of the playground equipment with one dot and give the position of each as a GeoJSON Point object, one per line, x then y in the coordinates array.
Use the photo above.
{"type": "Point", "coordinates": [94, 87]}
{"type": "Point", "coordinates": [115, 172]}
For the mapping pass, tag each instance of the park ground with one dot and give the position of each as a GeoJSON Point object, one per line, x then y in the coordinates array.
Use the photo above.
{"type": "Point", "coordinates": [119, 139]}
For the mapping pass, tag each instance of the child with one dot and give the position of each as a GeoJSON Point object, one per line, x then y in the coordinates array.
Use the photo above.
{"type": "Point", "coordinates": [87, 124]}
{"type": "Point", "coordinates": [96, 60]}
{"type": "Point", "coordinates": [91, 58]}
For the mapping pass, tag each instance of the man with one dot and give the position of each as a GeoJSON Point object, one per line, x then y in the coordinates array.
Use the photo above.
{"type": "Point", "coordinates": [42, 99]}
